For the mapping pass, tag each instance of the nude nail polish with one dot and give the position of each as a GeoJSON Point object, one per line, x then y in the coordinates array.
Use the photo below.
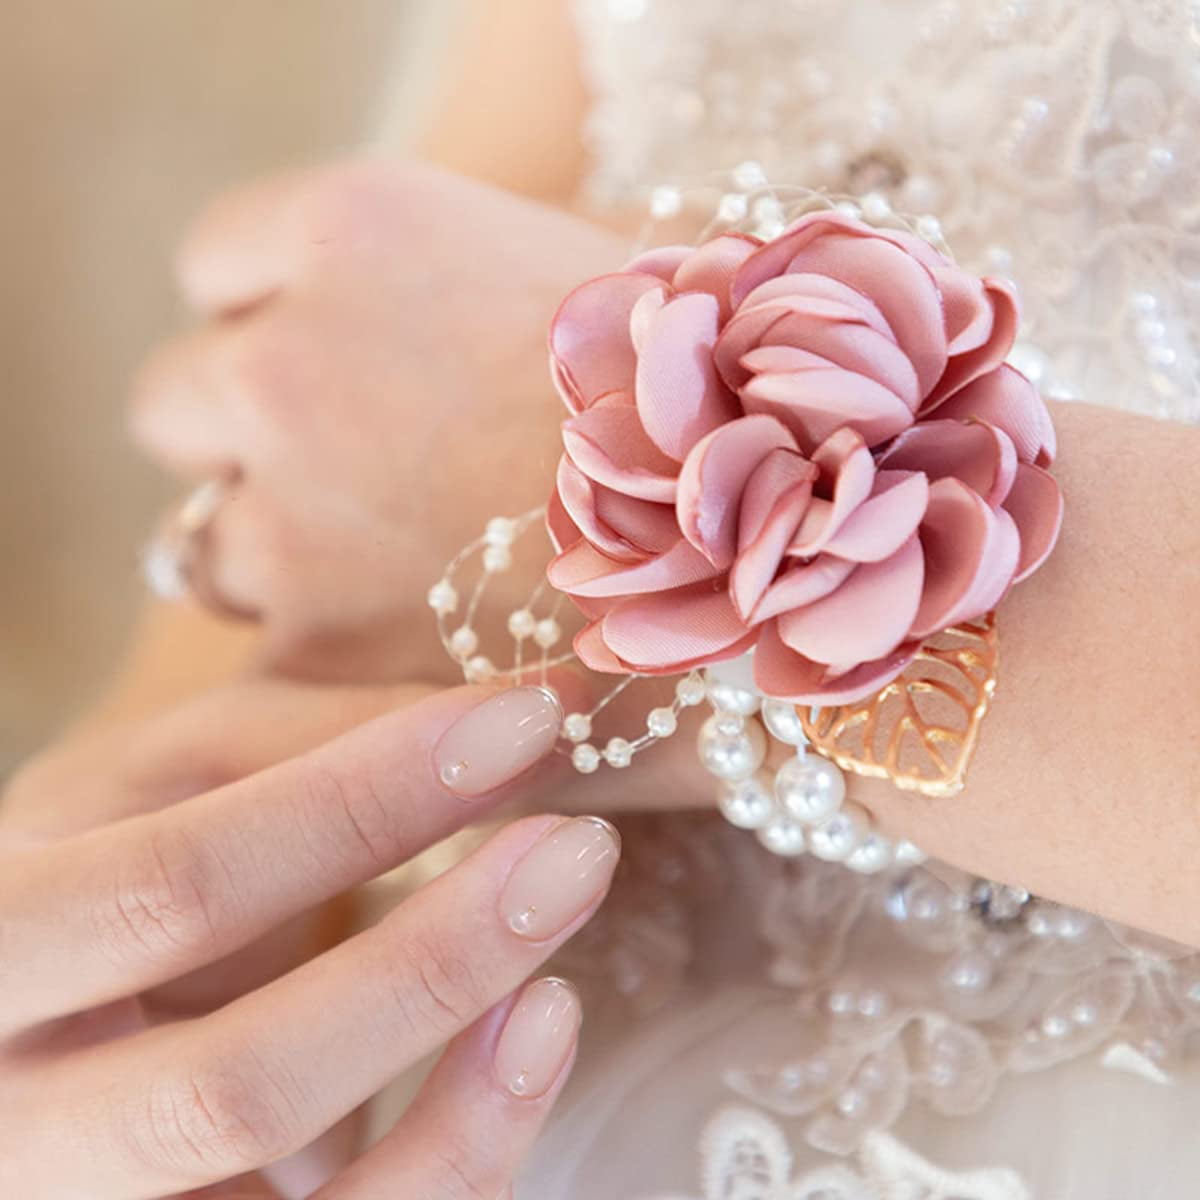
{"type": "Point", "coordinates": [497, 740]}
{"type": "Point", "coordinates": [561, 875]}
{"type": "Point", "coordinates": [538, 1038]}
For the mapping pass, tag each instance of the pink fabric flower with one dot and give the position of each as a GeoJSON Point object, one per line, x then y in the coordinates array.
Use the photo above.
{"type": "Point", "coordinates": [812, 447]}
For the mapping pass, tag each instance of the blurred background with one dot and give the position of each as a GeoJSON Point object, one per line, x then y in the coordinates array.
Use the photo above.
{"type": "Point", "coordinates": [120, 118]}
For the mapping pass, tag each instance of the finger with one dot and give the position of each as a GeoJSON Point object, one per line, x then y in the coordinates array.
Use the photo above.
{"type": "Point", "coordinates": [255, 1081]}
{"type": "Point", "coordinates": [247, 245]}
{"type": "Point", "coordinates": [184, 398]}
{"type": "Point", "coordinates": [480, 1111]}
{"type": "Point", "coordinates": [131, 905]}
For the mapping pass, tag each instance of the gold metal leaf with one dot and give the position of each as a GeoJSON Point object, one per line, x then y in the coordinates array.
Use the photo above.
{"type": "Point", "coordinates": [920, 730]}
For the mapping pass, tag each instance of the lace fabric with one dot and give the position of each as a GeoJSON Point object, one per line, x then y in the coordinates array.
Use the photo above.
{"type": "Point", "coordinates": [1053, 139]}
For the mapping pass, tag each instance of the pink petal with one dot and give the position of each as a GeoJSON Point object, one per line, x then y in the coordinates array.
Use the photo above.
{"type": "Point", "coordinates": [801, 585]}
{"type": "Point", "coordinates": [1036, 505]}
{"type": "Point", "coordinates": [1006, 399]}
{"type": "Point", "coordinates": [882, 524]}
{"type": "Point", "coordinates": [855, 254]}
{"type": "Point", "coordinates": [782, 673]}
{"type": "Point", "coordinates": [816, 402]}
{"type": "Point", "coordinates": [981, 455]}
{"type": "Point", "coordinates": [711, 267]}
{"type": "Point", "coordinates": [589, 337]}
{"type": "Point", "coordinates": [607, 443]}
{"type": "Point", "coordinates": [864, 619]}
{"type": "Point", "coordinates": [772, 506]}
{"type": "Point", "coordinates": [714, 477]}
{"type": "Point", "coordinates": [851, 345]}
{"type": "Point", "coordinates": [582, 571]}
{"type": "Point", "coordinates": [969, 315]}
{"type": "Point", "coordinates": [620, 526]}
{"type": "Point", "coordinates": [848, 472]}
{"type": "Point", "coordinates": [594, 654]}
{"type": "Point", "coordinates": [783, 288]}
{"type": "Point", "coordinates": [577, 494]}
{"type": "Point", "coordinates": [963, 368]}
{"type": "Point", "coordinates": [674, 631]}
{"type": "Point", "coordinates": [971, 554]}
{"type": "Point", "coordinates": [680, 398]}
{"type": "Point", "coordinates": [562, 530]}
{"type": "Point", "coordinates": [780, 472]}
{"type": "Point", "coordinates": [642, 317]}
{"type": "Point", "coordinates": [662, 261]}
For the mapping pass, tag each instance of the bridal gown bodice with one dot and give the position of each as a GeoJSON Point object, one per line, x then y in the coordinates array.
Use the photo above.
{"type": "Point", "coordinates": [762, 1029]}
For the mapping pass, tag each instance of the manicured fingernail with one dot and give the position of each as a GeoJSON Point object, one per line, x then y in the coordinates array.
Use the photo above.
{"type": "Point", "coordinates": [538, 1038]}
{"type": "Point", "coordinates": [497, 740]}
{"type": "Point", "coordinates": [560, 876]}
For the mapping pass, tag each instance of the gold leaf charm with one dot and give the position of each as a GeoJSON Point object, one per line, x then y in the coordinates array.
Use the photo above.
{"type": "Point", "coordinates": [920, 730]}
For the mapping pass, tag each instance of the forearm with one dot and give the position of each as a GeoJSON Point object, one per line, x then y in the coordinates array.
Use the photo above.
{"type": "Point", "coordinates": [1086, 784]}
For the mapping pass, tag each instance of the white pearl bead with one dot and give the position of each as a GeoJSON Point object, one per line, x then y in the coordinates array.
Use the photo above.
{"type": "Point", "coordinates": [729, 724]}
{"type": "Point", "coordinates": [618, 752]}
{"type": "Point", "coordinates": [749, 175]}
{"type": "Point", "coordinates": [585, 758]}
{"type": "Point", "coordinates": [767, 210]}
{"type": "Point", "coordinates": [907, 853]}
{"type": "Point", "coordinates": [442, 597]}
{"type": "Point", "coordinates": [497, 559]}
{"type": "Point", "coordinates": [732, 757]}
{"type": "Point", "coordinates": [661, 722]}
{"type": "Point", "coordinates": [783, 836]}
{"type": "Point", "coordinates": [577, 727]}
{"type": "Point", "coordinates": [500, 531]}
{"type": "Point", "coordinates": [835, 839]}
{"type": "Point", "coordinates": [521, 623]}
{"type": "Point", "coordinates": [746, 803]}
{"type": "Point", "coordinates": [464, 641]}
{"type": "Point", "coordinates": [480, 668]}
{"type": "Point", "coordinates": [547, 632]}
{"type": "Point", "coordinates": [783, 722]}
{"type": "Point", "coordinates": [872, 855]}
{"type": "Point", "coordinates": [732, 699]}
{"type": "Point", "coordinates": [732, 207]}
{"type": "Point", "coordinates": [690, 691]}
{"type": "Point", "coordinates": [665, 202]}
{"type": "Point", "coordinates": [875, 206]}
{"type": "Point", "coordinates": [811, 788]}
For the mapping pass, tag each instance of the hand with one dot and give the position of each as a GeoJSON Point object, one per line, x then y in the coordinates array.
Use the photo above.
{"type": "Point", "coordinates": [372, 371]}
{"type": "Point", "coordinates": [97, 925]}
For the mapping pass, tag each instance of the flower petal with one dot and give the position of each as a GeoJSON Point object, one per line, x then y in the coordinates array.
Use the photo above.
{"type": "Point", "coordinates": [712, 266]}
{"type": "Point", "coordinates": [971, 553]}
{"type": "Point", "coordinates": [714, 477]}
{"type": "Point", "coordinates": [680, 397]}
{"type": "Point", "coordinates": [785, 675]}
{"type": "Point", "coordinates": [981, 455]}
{"type": "Point", "coordinates": [963, 368]}
{"type": "Point", "coordinates": [772, 506]}
{"type": "Point", "coordinates": [882, 524]}
{"type": "Point", "coordinates": [674, 631]}
{"type": "Point", "coordinates": [662, 261]}
{"type": "Point", "coordinates": [1006, 399]}
{"type": "Point", "coordinates": [582, 571]}
{"type": "Point", "coordinates": [589, 337]}
{"type": "Point", "coordinates": [562, 530]}
{"type": "Point", "coordinates": [608, 444]}
{"type": "Point", "coordinates": [848, 473]}
{"type": "Point", "coordinates": [1036, 505]}
{"type": "Point", "coordinates": [589, 645]}
{"type": "Point", "coordinates": [817, 401]}
{"type": "Point", "coordinates": [801, 585]}
{"type": "Point", "coordinates": [620, 526]}
{"type": "Point", "coordinates": [850, 251]}
{"type": "Point", "coordinates": [864, 619]}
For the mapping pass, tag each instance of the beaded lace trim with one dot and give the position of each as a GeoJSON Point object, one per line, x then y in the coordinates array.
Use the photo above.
{"type": "Point", "coordinates": [1054, 139]}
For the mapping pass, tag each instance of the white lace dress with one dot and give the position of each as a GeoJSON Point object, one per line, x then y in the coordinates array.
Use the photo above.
{"type": "Point", "coordinates": [770, 1030]}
